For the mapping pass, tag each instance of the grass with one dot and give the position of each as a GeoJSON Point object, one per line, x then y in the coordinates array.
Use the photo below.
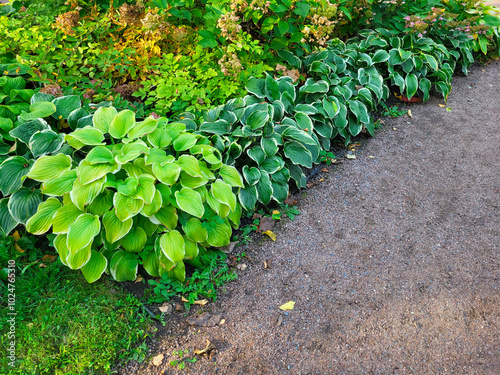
{"type": "Point", "coordinates": [66, 326]}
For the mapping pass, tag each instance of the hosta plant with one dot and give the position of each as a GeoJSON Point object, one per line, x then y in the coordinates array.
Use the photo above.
{"type": "Point", "coordinates": [129, 182]}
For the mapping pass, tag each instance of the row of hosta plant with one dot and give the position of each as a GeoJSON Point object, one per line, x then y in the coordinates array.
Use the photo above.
{"type": "Point", "coordinates": [123, 193]}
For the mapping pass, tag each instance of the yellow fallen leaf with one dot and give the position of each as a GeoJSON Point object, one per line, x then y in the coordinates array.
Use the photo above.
{"type": "Point", "coordinates": [351, 156]}
{"type": "Point", "coordinates": [276, 212]}
{"type": "Point", "coordinates": [270, 234]}
{"type": "Point", "coordinates": [16, 235]}
{"type": "Point", "coordinates": [409, 113]}
{"type": "Point", "coordinates": [442, 105]}
{"type": "Point", "coordinates": [371, 157]}
{"type": "Point", "coordinates": [18, 248]}
{"type": "Point", "coordinates": [288, 306]}
{"type": "Point", "coordinates": [198, 302]}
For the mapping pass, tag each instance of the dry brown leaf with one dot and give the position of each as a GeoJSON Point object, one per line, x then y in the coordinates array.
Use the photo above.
{"type": "Point", "coordinates": [207, 349]}
{"type": "Point", "coordinates": [166, 308]}
{"type": "Point", "coordinates": [266, 223]}
{"type": "Point", "coordinates": [256, 216]}
{"type": "Point", "coordinates": [290, 200]}
{"type": "Point", "coordinates": [229, 248]}
{"type": "Point", "coordinates": [158, 360]}
{"type": "Point", "coordinates": [325, 170]}
{"type": "Point", "coordinates": [49, 258]}
{"type": "Point", "coordinates": [271, 234]}
{"type": "Point", "coordinates": [42, 265]}
{"type": "Point", "coordinates": [139, 279]}
{"type": "Point", "coordinates": [201, 302]}
{"type": "Point", "coordinates": [279, 320]}
{"type": "Point", "coordinates": [293, 74]}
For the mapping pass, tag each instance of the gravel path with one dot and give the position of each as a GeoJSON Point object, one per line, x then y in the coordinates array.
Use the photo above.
{"type": "Point", "coordinates": [393, 263]}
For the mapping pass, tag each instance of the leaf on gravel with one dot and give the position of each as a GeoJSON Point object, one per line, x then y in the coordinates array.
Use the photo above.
{"type": "Point", "coordinates": [166, 308]}
{"type": "Point", "coordinates": [229, 248]}
{"type": "Point", "coordinates": [271, 234]}
{"type": "Point", "coordinates": [158, 360]}
{"type": "Point", "coordinates": [209, 347]}
{"type": "Point", "coordinates": [288, 306]}
{"type": "Point", "coordinates": [442, 105]}
{"type": "Point", "coordinates": [351, 157]}
{"type": "Point", "coordinates": [290, 200]}
{"type": "Point", "coordinates": [205, 320]}
{"type": "Point", "coordinates": [201, 302]}
{"type": "Point", "coordinates": [409, 113]}
{"type": "Point", "coordinates": [266, 224]}
{"type": "Point", "coordinates": [448, 109]}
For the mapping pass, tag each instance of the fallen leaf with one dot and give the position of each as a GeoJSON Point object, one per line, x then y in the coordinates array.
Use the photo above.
{"type": "Point", "coordinates": [325, 170]}
{"type": "Point", "coordinates": [205, 320]}
{"type": "Point", "coordinates": [409, 113]}
{"type": "Point", "coordinates": [288, 306]}
{"type": "Point", "coordinates": [311, 184]}
{"type": "Point", "coordinates": [18, 248]}
{"type": "Point", "coordinates": [49, 258]}
{"type": "Point", "coordinates": [222, 322]}
{"type": "Point", "coordinates": [207, 349]}
{"type": "Point", "coordinates": [242, 266]}
{"type": "Point", "coordinates": [256, 216]}
{"type": "Point", "coordinates": [354, 145]}
{"type": "Point", "coordinates": [16, 235]}
{"type": "Point", "coordinates": [233, 261]}
{"type": "Point", "coordinates": [139, 279]}
{"type": "Point", "coordinates": [158, 360]}
{"type": "Point", "coordinates": [442, 105]}
{"type": "Point", "coordinates": [198, 302]}
{"type": "Point", "coordinates": [276, 212]}
{"type": "Point", "coordinates": [371, 157]}
{"type": "Point", "coordinates": [266, 223]}
{"type": "Point", "coordinates": [293, 74]}
{"type": "Point", "coordinates": [270, 234]}
{"type": "Point", "coordinates": [166, 308]}
{"type": "Point", "coordinates": [42, 265]}
{"type": "Point", "coordinates": [229, 248]}
{"type": "Point", "coordinates": [267, 264]}
{"type": "Point", "coordinates": [351, 157]}
{"type": "Point", "coordinates": [394, 129]}
{"type": "Point", "coordinates": [279, 320]}
{"type": "Point", "coordinates": [290, 200]}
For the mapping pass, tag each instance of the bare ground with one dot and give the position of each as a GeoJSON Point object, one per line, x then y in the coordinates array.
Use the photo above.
{"type": "Point", "coordinates": [393, 263]}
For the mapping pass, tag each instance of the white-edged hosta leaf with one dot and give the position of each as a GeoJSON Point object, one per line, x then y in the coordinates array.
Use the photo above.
{"type": "Point", "coordinates": [193, 182]}
{"type": "Point", "coordinates": [65, 105]}
{"type": "Point", "coordinates": [45, 142]}
{"type": "Point", "coordinates": [159, 156]}
{"type": "Point", "coordinates": [194, 230]}
{"type": "Point", "coordinates": [126, 207]}
{"type": "Point", "coordinates": [190, 249]}
{"type": "Point", "coordinates": [154, 207]}
{"type": "Point", "coordinates": [166, 216]}
{"type": "Point", "coordinates": [123, 266]}
{"type": "Point", "coordinates": [121, 124]}
{"type": "Point", "coordinates": [132, 151]}
{"type": "Point", "coordinates": [190, 165]}
{"type": "Point", "coordinates": [298, 154]}
{"type": "Point", "coordinates": [7, 222]}
{"type": "Point", "coordinates": [159, 138]}
{"type": "Point", "coordinates": [64, 217]}
{"type": "Point", "coordinates": [190, 201]}
{"type": "Point", "coordinates": [103, 118]}
{"type": "Point", "coordinates": [87, 136]}
{"type": "Point", "coordinates": [145, 189]}
{"type": "Point", "coordinates": [24, 203]}
{"type": "Point", "coordinates": [80, 258]}
{"type": "Point", "coordinates": [248, 197]}
{"type": "Point", "coordinates": [142, 128]}
{"type": "Point", "coordinates": [146, 224]}
{"type": "Point", "coordinates": [224, 194]}
{"type": "Point", "coordinates": [100, 155]}
{"type": "Point", "coordinates": [82, 231]}
{"type": "Point", "coordinates": [60, 243]}
{"type": "Point", "coordinates": [41, 221]}
{"type": "Point", "coordinates": [235, 216]}
{"type": "Point", "coordinates": [82, 195]}
{"type": "Point", "coordinates": [128, 187]}
{"type": "Point", "coordinates": [251, 174]}
{"type": "Point", "coordinates": [13, 171]}
{"type": "Point", "coordinates": [168, 173]}
{"type": "Point", "coordinates": [95, 267]}
{"type": "Point", "coordinates": [25, 131]}
{"type": "Point", "coordinates": [115, 228]}
{"type": "Point", "coordinates": [231, 176]}
{"type": "Point", "coordinates": [264, 188]}
{"type": "Point", "coordinates": [220, 209]}
{"type": "Point", "coordinates": [172, 246]}
{"type": "Point", "coordinates": [152, 265]}
{"type": "Point", "coordinates": [39, 110]}
{"type": "Point", "coordinates": [47, 167]}
{"type": "Point", "coordinates": [101, 204]}
{"type": "Point", "coordinates": [135, 240]}
{"type": "Point", "coordinates": [88, 173]}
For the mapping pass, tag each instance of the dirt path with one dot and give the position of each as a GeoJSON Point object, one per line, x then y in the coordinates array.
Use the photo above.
{"type": "Point", "coordinates": [393, 263]}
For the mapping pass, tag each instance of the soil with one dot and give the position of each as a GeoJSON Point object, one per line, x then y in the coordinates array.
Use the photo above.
{"type": "Point", "coordinates": [393, 262]}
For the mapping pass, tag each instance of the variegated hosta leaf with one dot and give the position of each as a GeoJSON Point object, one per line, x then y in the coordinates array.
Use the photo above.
{"type": "Point", "coordinates": [61, 247]}
{"type": "Point", "coordinates": [264, 188]}
{"type": "Point", "coordinates": [95, 267]}
{"type": "Point", "coordinates": [146, 224]}
{"type": "Point", "coordinates": [45, 142]}
{"type": "Point", "coordinates": [80, 258]}
{"type": "Point", "coordinates": [248, 197]}
{"type": "Point", "coordinates": [103, 118]}
{"type": "Point", "coordinates": [152, 265]}
{"type": "Point", "coordinates": [251, 174]}
{"type": "Point", "coordinates": [159, 156]}
{"type": "Point", "coordinates": [88, 173]}
{"type": "Point", "coordinates": [126, 207]}
{"type": "Point", "coordinates": [100, 155]}
{"type": "Point", "coordinates": [231, 176]}
{"type": "Point", "coordinates": [142, 128]}
{"type": "Point", "coordinates": [235, 216]}
{"type": "Point", "coordinates": [135, 240]}
{"type": "Point", "coordinates": [123, 266]}
{"type": "Point", "coordinates": [146, 188]}
{"type": "Point", "coordinates": [185, 141]}
{"type": "Point", "coordinates": [47, 168]}
{"type": "Point", "coordinates": [191, 249]}
{"type": "Point", "coordinates": [64, 217]}
{"type": "Point", "coordinates": [7, 222]}
{"type": "Point", "coordinates": [61, 185]}
{"type": "Point", "coordinates": [82, 195]}
{"type": "Point", "coordinates": [41, 222]}
{"type": "Point", "coordinates": [224, 194]}
{"type": "Point", "coordinates": [13, 171]}
{"type": "Point", "coordinates": [121, 124]}
{"type": "Point", "coordinates": [87, 136]}
{"type": "Point", "coordinates": [190, 165]}
{"type": "Point", "coordinates": [159, 138]}
{"type": "Point", "coordinates": [167, 173]}
{"type": "Point", "coordinates": [219, 208]}
{"type": "Point", "coordinates": [132, 151]}
{"type": "Point", "coordinates": [178, 272]}
{"type": "Point", "coordinates": [189, 181]}
{"type": "Point", "coordinates": [219, 234]}
{"type": "Point", "coordinates": [154, 207]}
{"type": "Point", "coordinates": [23, 204]}
{"type": "Point", "coordinates": [101, 204]}
{"type": "Point", "coordinates": [82, 231]}
{"type": "Point", "coordinates": [195, 231]}
{"type": "Point", "coordinates": [167, 216]}
{"type": "Point", "coordinates": [190, 201]}
{"type": "Point", "coordinates": [114, 227]}
{"type": "Point", "coordinates": [172, 245]}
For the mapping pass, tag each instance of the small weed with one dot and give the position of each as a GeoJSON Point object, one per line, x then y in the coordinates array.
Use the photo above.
{"type": "Point", "coordinates": [327, 157]}
{"type": "Point", "coordinates": [184, 357]}
{"type": "Point", "coordinates": [394, 111]}
{"type": "Point", "coordinates": [290, 211]}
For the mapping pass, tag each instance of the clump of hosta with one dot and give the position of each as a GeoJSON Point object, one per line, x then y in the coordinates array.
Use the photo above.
{"type": "Point", "coordinates": [132, 183]}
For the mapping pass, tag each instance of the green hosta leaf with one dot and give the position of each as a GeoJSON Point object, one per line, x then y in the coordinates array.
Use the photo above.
{"type": "Point", "coordinates": [297, 174]}
{"type": "Point", "coordinates": [100, 155]}
{"type": "Point", "coordinates": [257, 119]}
{"type": "Point", "coordinates": [128, 187]}
{"type": "Point", "coordinates": [145, 189]}
{"type": "Point", "coordinates": [60, 243]}
{"type": "Point", "coordinates": [23, 204]}
{"type": "Point", "coordinates": [252, 174]}
{"type": "Point", "coordinates": [13, 171]}
{"type": "Point", "coordinates": [146, 224]}
{"type": "Point", "coordinates": [272, 90]}
{"type": "Point", "coordinates": [123, 266]}
{"type": "Point", "coordinates": [166, 216]}
{"type": "Point", "coordinates": [7, 222]}
{"type": "Point", "coordinates": [82, 195]}
{"type": "Point", "coordinates": [257, 154]}
{"type": "Point", "coordinates": [135, 240]}
{"type": "Point", "coordinates": [60, 185]}
{"type": "Point", "coordinates": [219, 127]}
{"type": "Point", "coordinates": [158, 156]}
{"type": "Point", "coordinates": [298, 154]}
{"type": "Point", "coordinates": [87, 136]}
{"type": "Point", "coordinates": [115, 228]}
{"type": "Point", "coordinates": [142, 128]}
{"type": "Point", "coordinates": [264, 188]}
{"type": "Point", "coordinates": [45, 142]}
{"type": "Point", "coordinates": [168, 173]}
{"type": "Point", "coordinates": [132, 151]}
{"type": "Point", "coordinates": [223, 192]}
{"type": "Point", "coordinates": [154, 206]}
{"type": "Point", "coordinates": [13, 83]}
{"type": "Point", "coordinates": [178, 272]}
{"type": "Point", "coordinates": [280, 192]}
{"type": "Point", "coordinates": [64, 217]}
{"type": "Point", "coordinates": [360, 111]}
{"type": "Point", "coordinates": [25, 131]}
{"type": "Point", "coordinates": [220, 209]}
{"type": "Point", "coordinates": [195, 231]}
{"type": "Point", "coordinates": [165, 194]}
{"type": "Point", "coordinates": [122, 123]}
{"type": "Point", "coordinates": [82, 231]}
{"type": "Point", "coordinates": [311, 87]}
{"type": "Point", "coordinates": [298, 135]}
{"type": "Point", "coordinates": [49, 167]}
{"type": "Point", "coordinates": [425, 87]}
{"type": "Point", "coordinates": [411, 83]}
{"type": "Point", "coordinates": [152, 265]}
{"type": "Point", "coordinates": [235, 216]}
{"type": "Point", "coordinates": [80, 258]}
{"type": "Point", "coordinates": [103, 117]}
{"type": "Point", "coordinates": [65, 105]}
{"type": "Point", "coordinates": [272, 165]}
{"type": "Point", "coordinates": [160, 138]}
{"type": "Point", "coordinates": [88, 173]}
{"type": "Point", "coordinates": [41, 97]}
{"type": "Point", "coordinates": [431, 61]}
{"type": "Point", "coordinates": [190, 248]}
{"type": "Point", "coordinates": [41, 221]}
{"type": "Point", "coordinates": [231, 176]}
{"type": "Point", "coordinates": [269, 146]}
{"type": "Point", "coordinates": [172, 246]}
{"type": "Point", "coordinates": [126, 207]}
{"type": "Point", "coordinates": [219, 234]}
{"type": "Point", "coordinates": [190, 165]}
{"type": "Point", "coordinates": [248, 197]}
{"type": "Point", "coordinates": [190, 201]}
{"type": "Point", "coordinates": [101, 204]}
{"type": "Point", "coordinates": [95, 267]}
{"type": "Point", "coordinates": [185, 141]}
{"type": "Point", "coordinates": [256, 87]}
{"type": "Point", "coordinates": [76, 115]}
{"type": "Point", "coordinates": [39, 110]}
